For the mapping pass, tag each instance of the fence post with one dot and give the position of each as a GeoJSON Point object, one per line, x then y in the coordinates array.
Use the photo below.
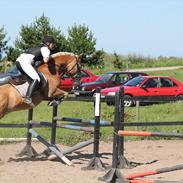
{"type": "Point", "coordinates": [95, 163]}
{"type": "Point", "coordinates": [114, 174]}
{"type": "Point", "coordinates": [28, 149]}
{"type": "Point", "coordinates": [54, 124]}
{"type": "Point", "coordinates": [137, 110]}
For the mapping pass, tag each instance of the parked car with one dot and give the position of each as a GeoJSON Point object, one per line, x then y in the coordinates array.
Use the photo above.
{"type": "Point", "coordinates": [148, 86]}
{"type": "Point", "coordinates": [66, 82]}
{"type": "Point", "coordinates": [108, 79]}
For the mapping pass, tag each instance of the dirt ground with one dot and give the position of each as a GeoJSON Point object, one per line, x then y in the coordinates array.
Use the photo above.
{"type": "Point", "coordinates": [40, 170]}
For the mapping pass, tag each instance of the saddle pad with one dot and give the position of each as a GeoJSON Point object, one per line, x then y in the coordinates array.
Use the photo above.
{"type": "Point", "coordinates": [22, 89]}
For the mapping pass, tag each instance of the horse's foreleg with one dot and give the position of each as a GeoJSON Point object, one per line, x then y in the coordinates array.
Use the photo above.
{"type": "Point", "coordinates": [58, 93]}
{"type": "Point", "coordinates": [57, 97]}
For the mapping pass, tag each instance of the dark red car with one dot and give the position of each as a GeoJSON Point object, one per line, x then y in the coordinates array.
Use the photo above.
{"type": "Point", "coordinates": [148, 86]}
{"type": "Point", "coordinates": [108, 79]}
{"type": "Point", "coordinates": [66, 82]}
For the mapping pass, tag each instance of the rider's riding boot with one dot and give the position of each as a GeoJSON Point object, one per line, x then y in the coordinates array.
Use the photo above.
{"type": "Point", "coordinates": [32, 88]}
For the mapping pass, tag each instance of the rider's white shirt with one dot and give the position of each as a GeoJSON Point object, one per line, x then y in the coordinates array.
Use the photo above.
{"type": "Point", "coordinates": [45, 52]}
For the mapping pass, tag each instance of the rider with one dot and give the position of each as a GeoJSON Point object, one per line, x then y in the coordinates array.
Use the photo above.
{"type": "Point", "coordinates": [26, 61]}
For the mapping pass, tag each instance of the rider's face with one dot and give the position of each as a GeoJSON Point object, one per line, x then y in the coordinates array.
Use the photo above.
{"type": "Point", "coordinates": [50, 46]}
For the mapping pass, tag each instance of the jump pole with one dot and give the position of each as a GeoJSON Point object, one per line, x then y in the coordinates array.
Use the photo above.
{"type": "Point", "coordinates": [79, 120]}
{"type": "Point", "coordinates": [51, 147]}
{"type": "Point", "coordinates": [71, 127]}
{"type": "Point", "coordinates": [154, 172]}
{"type": "Point", "coordinates": [77, 146]}
{"type": "Point", "coordinates": [149, 134]}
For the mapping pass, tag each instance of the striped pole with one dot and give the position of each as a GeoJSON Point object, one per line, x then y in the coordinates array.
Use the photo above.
{"type": "Point", "coordinates": [54, 149]}
{"type": "Point", "coordinates": [149, 134]}
{"type": "Point", "coordinates": [79, 120]}
{"type": "Point", "coordinates": [77, 146]}
{"type": "Point", "coordinates": [71, 127]}
{"type": "Point", "coordinates": [154, 172]}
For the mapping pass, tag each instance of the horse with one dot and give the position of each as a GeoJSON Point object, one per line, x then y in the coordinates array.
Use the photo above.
{"type": "Point", "coordinates": [59, 63]}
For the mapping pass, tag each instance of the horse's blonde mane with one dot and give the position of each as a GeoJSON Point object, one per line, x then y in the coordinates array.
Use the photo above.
{"type": "Point", "coordinates": [62, 54]}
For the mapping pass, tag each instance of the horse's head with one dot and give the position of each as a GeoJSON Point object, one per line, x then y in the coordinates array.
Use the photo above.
{"type": "Point", "coordinates": [68, 63]}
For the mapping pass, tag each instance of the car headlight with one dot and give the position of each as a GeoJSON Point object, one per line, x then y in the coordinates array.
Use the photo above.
{"type": "Point", "coordinates": [111, 94]}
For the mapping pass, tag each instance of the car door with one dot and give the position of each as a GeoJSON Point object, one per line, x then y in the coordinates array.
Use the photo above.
{"type": "Point", "coordinates": [150, 87]}
{"type": "Point", "coordinates": [168, 87]}
{"type": "Point", "coordinates": [117, 80]}
{"type": "Point", "coordinates": [86, 77]}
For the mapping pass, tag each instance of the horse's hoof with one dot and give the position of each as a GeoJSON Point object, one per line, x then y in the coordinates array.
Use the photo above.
{"type": "Point", "coordinates": [52, 103]}
{"type": "Point", "coordinates": [52, 157]}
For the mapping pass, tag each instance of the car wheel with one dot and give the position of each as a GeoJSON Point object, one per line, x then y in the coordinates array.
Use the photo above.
{"type": "Point", "coordinates": [180, 98]}
{"type": "Point", "coordinates": [110, 103]}
{"type": "Point", "coordinates": [128, 102]}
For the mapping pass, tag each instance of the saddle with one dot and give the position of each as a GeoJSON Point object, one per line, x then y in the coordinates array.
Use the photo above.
{"type": "Point", "coordinates": [14, 77]}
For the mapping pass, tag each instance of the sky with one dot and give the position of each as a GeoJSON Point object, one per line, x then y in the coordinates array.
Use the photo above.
{"type": "Point", "coordinates": [142, 27]}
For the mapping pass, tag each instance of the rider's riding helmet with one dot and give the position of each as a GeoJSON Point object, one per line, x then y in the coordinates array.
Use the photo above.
{"type": "Point", "coordinates": [48, 39]}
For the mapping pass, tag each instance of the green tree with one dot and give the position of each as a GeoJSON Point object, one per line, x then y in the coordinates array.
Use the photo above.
{"type": "Point", "coordinates": [12, 53]}
{"type": "Point", "coordinates": [30, 35]}
{"type": "Point", "coordinates": [81, 41]}
{"type": "Point", "coordinates": [3, 42]}
{"type": "Point", "coordinates": [118, 62]}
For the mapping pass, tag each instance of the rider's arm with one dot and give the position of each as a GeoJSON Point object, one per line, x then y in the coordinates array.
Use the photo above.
{"type": "Point", "coordinates": [45, 53]}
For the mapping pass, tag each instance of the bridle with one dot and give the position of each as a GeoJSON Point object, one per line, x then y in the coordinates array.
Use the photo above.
{"type": "Point", "coordinates": [68, 72]}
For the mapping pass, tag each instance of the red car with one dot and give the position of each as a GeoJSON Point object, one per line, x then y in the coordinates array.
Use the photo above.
{"type": "Point", "coordinates": [66, 82]}
{"type": "Point", "coordinates": [106, 80]}
{"type": "Point", "coordinates": [147, 86]}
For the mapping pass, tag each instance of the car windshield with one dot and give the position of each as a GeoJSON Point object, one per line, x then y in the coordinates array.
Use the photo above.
{"type": "Point", "coordinates": [135, 81]}
{"type": "Point", "coordinates": [104, 78]}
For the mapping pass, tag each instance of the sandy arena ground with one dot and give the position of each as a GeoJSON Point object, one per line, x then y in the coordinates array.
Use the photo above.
{"type": "Point", "coordinates": [40, 170]}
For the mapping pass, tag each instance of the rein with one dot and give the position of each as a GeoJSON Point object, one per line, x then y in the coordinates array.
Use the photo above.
{"type": "Point", "coordinates": [65, 71]}
{"type": "Point", "coordinates": [63, 68]}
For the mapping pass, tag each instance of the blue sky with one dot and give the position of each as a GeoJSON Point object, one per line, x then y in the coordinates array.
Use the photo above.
{"type": "Point", "coordinates": [145, 27]}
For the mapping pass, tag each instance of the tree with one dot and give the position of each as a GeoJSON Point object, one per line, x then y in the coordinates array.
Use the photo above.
{"type": "Point", "coordinates": [3, 42]}
{"type": "Point", "coordinates": [81, 41]}
{"type": "Point", "coordinates": [12, 53]}
{"type": "Point", "coordinates": [33, 34]}
{"type": "Point", "coordinates": [119, 62]}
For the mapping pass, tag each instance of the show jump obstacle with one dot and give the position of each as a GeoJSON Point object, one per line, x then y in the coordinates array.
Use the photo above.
{"type": "Point", "coordinates": [114, 175]}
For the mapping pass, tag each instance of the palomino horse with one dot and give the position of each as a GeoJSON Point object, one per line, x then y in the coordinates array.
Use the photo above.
{"type": "Point", "coordinates": [61, 62]}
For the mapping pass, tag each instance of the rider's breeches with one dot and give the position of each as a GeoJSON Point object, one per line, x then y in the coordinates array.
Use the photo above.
{"type": "Point", "coordinates": [25, 61]}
